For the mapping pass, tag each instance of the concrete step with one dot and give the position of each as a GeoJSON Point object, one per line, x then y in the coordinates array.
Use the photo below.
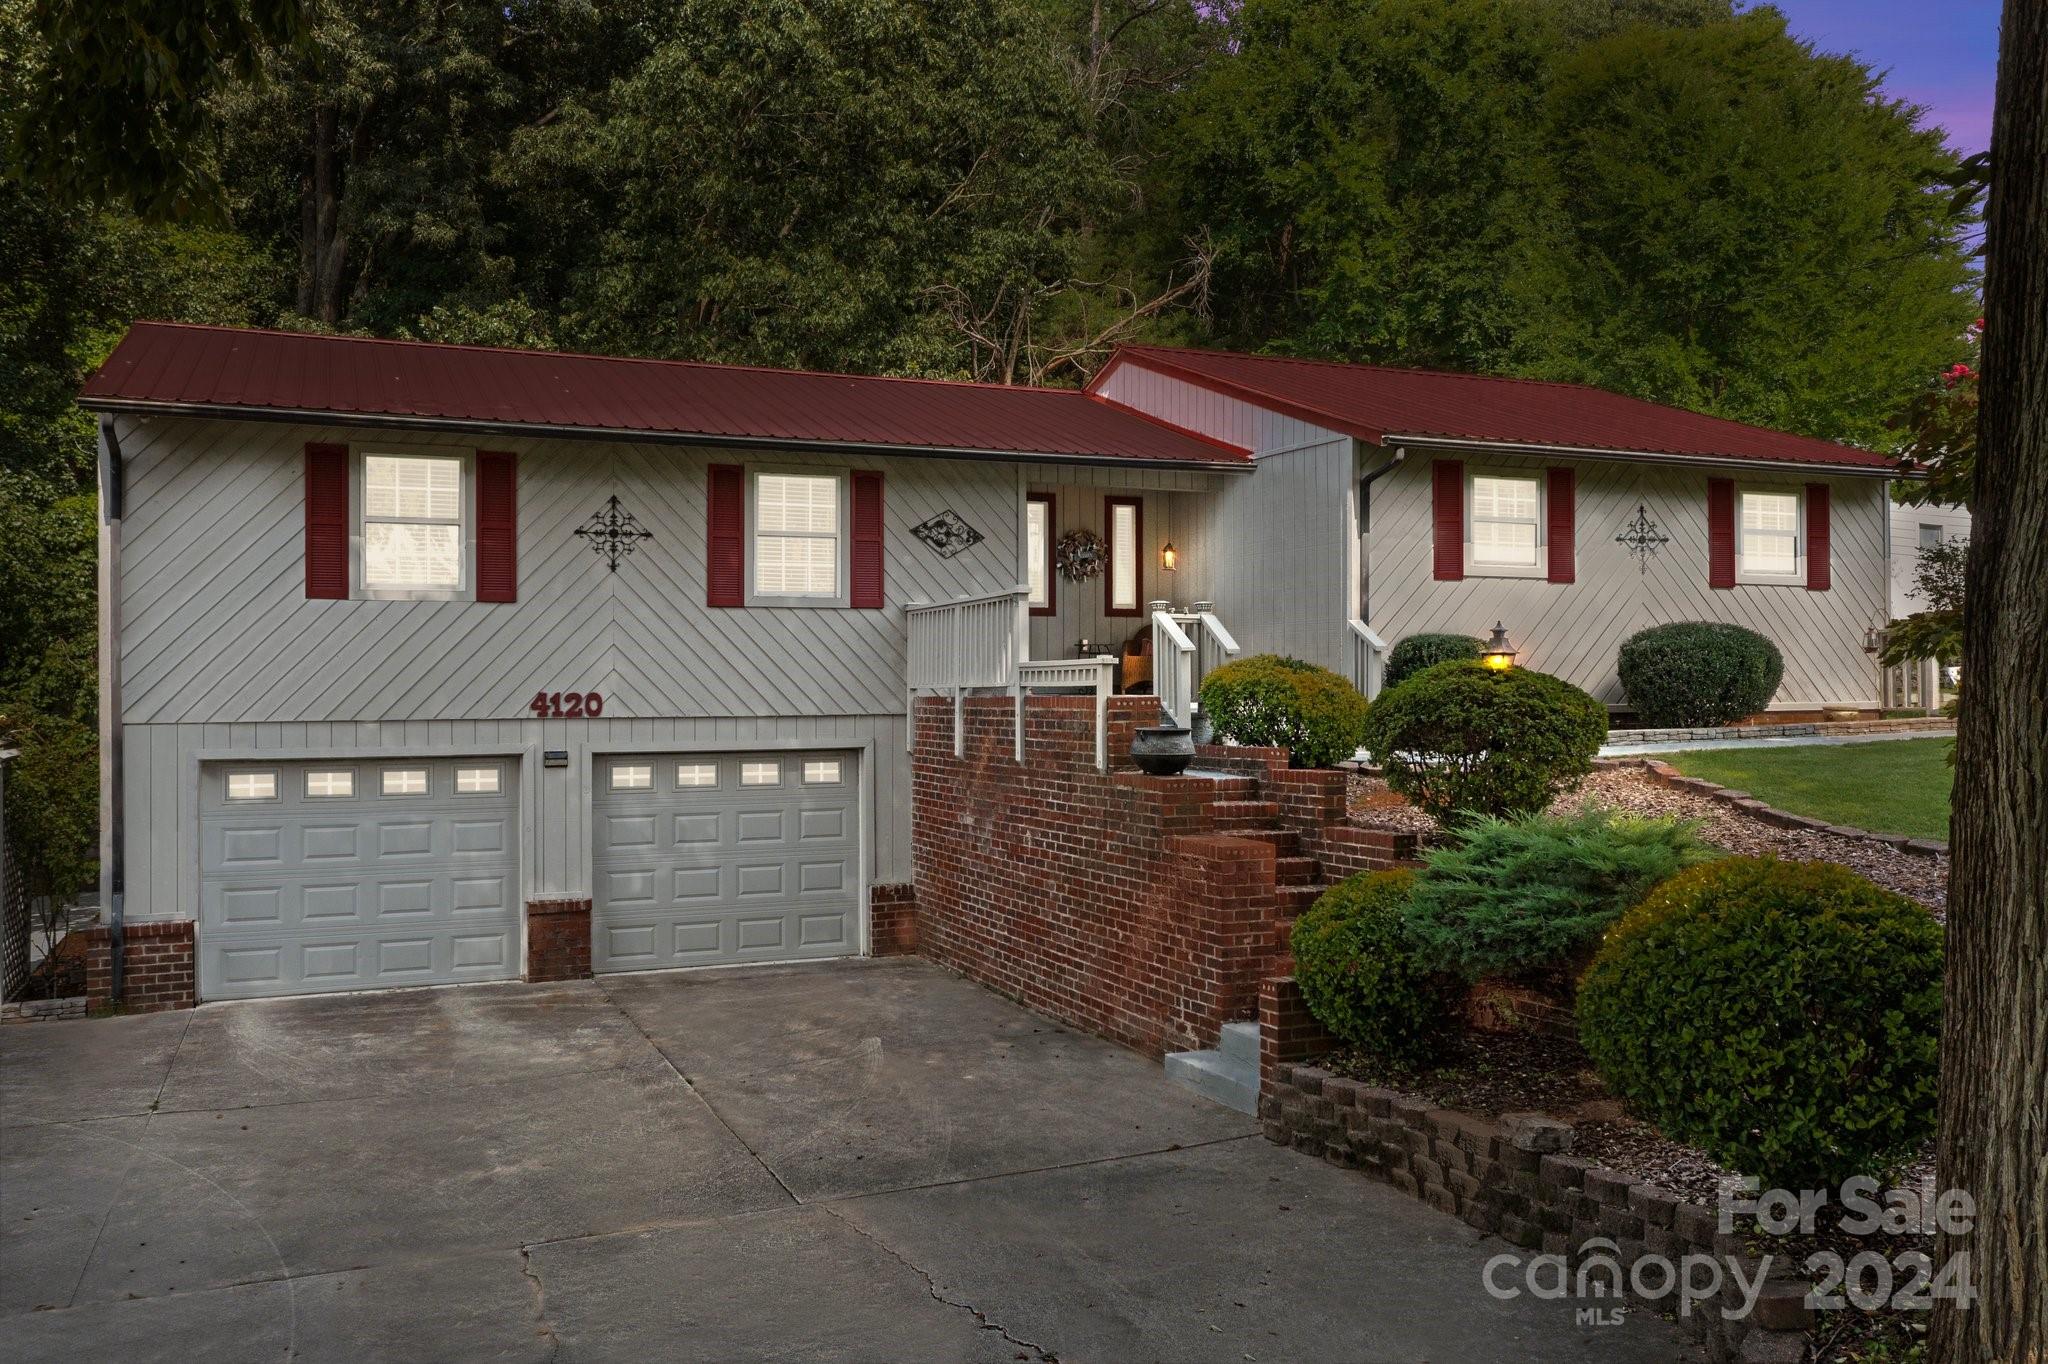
{"type": "Point", "coordinates": [1222, 1079]}
{"type": "Point", "coordinates": [1241, 1043]}
{"type": "Point", "coordinates": [1297, 871]}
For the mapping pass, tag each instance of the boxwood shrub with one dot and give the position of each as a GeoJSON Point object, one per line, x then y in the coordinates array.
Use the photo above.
{"type": "Point", "coordinates": [1782, 1016]}
{"type": "Point", "coordinates": [1417, 652]}
{"type": "Point", "coordinates": [1273, 701]}
{"type": "Point", "coordinates": [1535, 892]}
{"type": "Point", "coordinates": [1359, 975]}
{"type": "Point", "coordinates": [1698, 673]}
{"type": "Point", "coordinates": [1460, 737]}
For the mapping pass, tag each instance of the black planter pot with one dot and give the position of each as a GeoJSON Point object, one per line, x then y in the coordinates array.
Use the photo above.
{"type": "Point", "coordinates": [1163, 750]}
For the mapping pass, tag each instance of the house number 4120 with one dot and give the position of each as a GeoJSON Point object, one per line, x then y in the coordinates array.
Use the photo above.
{"type": "Point", "coordinates": [567, 705]}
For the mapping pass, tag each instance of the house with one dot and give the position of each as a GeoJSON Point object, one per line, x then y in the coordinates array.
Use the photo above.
{"type": "Point", "coordinates": [1912, 530]}
{"type": "Point", "coordinates": [425, 664]}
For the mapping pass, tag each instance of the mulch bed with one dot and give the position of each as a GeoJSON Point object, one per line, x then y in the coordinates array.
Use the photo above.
{"type": "Point", "coordinates": [61, 975]}
{"type": "Point", "coordinates": [1630, 791]}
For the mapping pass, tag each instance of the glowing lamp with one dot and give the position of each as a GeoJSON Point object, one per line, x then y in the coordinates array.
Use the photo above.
{"type": "Point", "coordinates": [1498, 654]}
{"type": "Point", "coordinates": [1169, 557]}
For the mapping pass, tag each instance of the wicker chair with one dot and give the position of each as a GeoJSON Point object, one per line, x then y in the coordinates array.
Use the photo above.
{"type": "Point", "coordinates": [1134, 677]}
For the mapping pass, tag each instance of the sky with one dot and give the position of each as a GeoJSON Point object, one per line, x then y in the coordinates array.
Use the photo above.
{"type": "Point", "coordinates": [1939, 53]}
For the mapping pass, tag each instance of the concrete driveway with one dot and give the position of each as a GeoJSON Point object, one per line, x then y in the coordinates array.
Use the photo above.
{"type": "Point", "coordinates": [861, 1161]}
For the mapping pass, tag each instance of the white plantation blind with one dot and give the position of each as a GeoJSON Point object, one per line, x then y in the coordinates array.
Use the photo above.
{"type": "Point", "coordinates": [796, 535]}
{"type": "Point", "coordinates": [1770, 533]}
{"type": "Point", "coordinates": [412, 521]}
{"type": "Point", "coordinates": [1504, 512]}
{"type": "Point", "coordinates": [1123, 556]}
{"type": "Point", "coordinates": [1038, 536]}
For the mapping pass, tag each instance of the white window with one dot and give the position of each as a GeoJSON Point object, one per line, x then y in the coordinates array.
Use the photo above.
{"type": "Point", "coordinates": [252, 786]}
{"type": "Point", "coordinates": [760, 774]}
{"type": "Point", "coordinates": [1126, 583]}
{"type": "Point", "coordinates": [821, 771]}
{"type": "Point", "coordinates": [632, 776]}
{"type": "Point", "coordinates": [405, 781]}
{"type": "Point", "coordinates": [1930, 536]}
{"type": "Point", "coordinates": [796, 535]}
{"type": "Point", "coordinates": [1038, 550]}
{"type": "Point", "coordinates": [1767, 535]}
{"type": "Point", "coordinates": [412, 522]}
{"type": "Point", "coordinates": [476, 781]}
{"type": "Point", "coordinates": [330, 783]}
{"type": "Point", "coordinates": [696, 774]}
{"type": "Point", "coordinates": [1505, 509]}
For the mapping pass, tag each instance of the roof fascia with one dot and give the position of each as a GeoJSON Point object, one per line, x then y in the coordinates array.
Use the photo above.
{"type": "Point", "coordinates": [1455, 443]}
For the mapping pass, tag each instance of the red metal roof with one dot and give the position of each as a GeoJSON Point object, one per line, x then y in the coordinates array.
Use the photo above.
{"type": "Point", "coordinates": [244, 371]}
{"type": "Point", "coordinates": [1375, 402]}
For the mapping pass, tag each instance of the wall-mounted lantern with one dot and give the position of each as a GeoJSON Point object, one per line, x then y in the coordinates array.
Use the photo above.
{"type": "Point", "coordinates": [1498, 654]}
{"type": "Point", "coordinates": [1169, 557]}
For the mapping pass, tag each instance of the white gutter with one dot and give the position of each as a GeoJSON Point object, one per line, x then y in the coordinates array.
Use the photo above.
{"type": "Point", "coordinates": [384, 421]}
{"type": "Point", "coordinates": [1641, 456]}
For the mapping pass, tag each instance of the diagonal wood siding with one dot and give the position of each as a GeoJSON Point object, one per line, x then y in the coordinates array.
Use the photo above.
{"type": "Point", "coordinates": [1574, 630]}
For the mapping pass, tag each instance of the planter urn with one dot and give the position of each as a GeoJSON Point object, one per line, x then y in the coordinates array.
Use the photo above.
{"type": "Point", "coordinates": [1163, 750]}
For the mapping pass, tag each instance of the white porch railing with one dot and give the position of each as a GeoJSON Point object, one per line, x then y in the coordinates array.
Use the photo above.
{"type": "Point", "coordinates": [1911, 686]}
{"type": "Point", "coordinates": [1186, 647]}
{"type": "Point", "coordinates": [1368, 659]}
{"type": "Point", "coordinates": [967, 642]}
{"type": "Point", "coordinates": [1097, 674]}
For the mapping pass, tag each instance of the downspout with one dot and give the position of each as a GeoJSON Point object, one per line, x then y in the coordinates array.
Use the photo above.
{"type": "Point", "coordinates": [113, 872]}
{"type": "Point", "coordinates": [1365, 528]}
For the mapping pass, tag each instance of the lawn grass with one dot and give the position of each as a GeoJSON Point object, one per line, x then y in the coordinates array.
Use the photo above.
{"type": "Point", "coordinates": [1896, 786]}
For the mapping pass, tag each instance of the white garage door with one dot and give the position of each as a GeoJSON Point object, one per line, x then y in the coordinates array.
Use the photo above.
{"type": "Point", "coordinates": [354, 875]}
{"type": "Point", "coordinates": [705, 859]}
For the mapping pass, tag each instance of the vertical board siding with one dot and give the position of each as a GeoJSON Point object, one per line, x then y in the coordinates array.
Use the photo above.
{"type": "Point", "coordinates": [1574, 629]}
{"type": "Point", "coordinates": [1952, 523]}
{"type": "Point", "coordinates": [1215, 415]}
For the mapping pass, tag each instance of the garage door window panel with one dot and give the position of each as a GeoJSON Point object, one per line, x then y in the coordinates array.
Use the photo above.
{"type": "Point", "coordinates": [696, 776]}
{"type": "Point", "coordinates": [251, 786]}
{"type": "Point", "coordinates": [403, 781]}
{"type": "Point", "coordinates": [477, 781]}
{"type": "Point", "coordinates": [632, 776]}
{"type": "Point", "coordinates": [761, 774]}
{"type": "Point", "coordinates": [330, 783]}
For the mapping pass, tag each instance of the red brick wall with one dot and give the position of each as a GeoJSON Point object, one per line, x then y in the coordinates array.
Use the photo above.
{"type": "Point", "coordinates": [1103, 900]}
{"type": "Point", "coordinates": [1288, 1032]}
{"type": "Point", "coordinates": [1346, 850]}
{"type": "Point", "coordinates": [557, 939]}
{"type": "Point", "coordinates": [156, 967]}
{"type": "Point", "coordinates": [892, 919]}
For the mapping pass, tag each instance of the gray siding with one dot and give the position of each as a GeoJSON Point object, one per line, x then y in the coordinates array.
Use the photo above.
{"type": "Point", "coordinates": [1215, 415]}
{"type": "Point", "coordinates": [1905, 548]}
{"type": "Point", "coordinates": [1574, 630]}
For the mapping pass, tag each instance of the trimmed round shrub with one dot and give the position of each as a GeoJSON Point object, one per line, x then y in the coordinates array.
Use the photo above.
{"type": "Point", "coordinates": [1698, 673]}
{"type": "Point", "coordinates": [1359, 976]}
{"type": "Point", "coordinates": [1460, 737]}
{"type": "Point", "coordinates": [1782, 1016]}
{"type": "Point", "coordinates": [1534, 893]}
{"type": "Point", "coordinates": [1271, 701]}
{"type": "Point", "coordinates": [1417, 652]}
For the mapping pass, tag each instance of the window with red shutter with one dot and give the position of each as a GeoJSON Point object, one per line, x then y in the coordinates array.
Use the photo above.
{"type": "Point", "coordinates": [725, 568]}
{"type": "Point", "coordinates": [1819, 572]}
{"type": "Point", "coordinates": [866, 550]}
{"type": "Point", "coordinates": [327, 521]}
{"type": "Point", "coordinates": [1721, 533]}
{"type": "Point", "coordinates": [497, 527]}
{"type": "Point", "coordinates": [1562, 515]}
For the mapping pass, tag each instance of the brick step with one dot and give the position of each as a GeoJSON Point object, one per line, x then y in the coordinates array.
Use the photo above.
{"type": "Point", "coordinates": [1296, 899]}
{"type": "Point", "coordinates": [1243, 813]}
{"type": "Point", "coordinates": [1286, 842]}
{"type": "Point", "coordinates": [1297, 871]}
{"type": "Point", "coordinates": [1233, 790]}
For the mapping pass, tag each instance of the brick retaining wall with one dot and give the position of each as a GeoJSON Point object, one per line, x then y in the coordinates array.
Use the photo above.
{"type": "Point", "coordinates": [557, 939]}
{"type": "Point", "coordinates": [892, 919]}
{"type": "Point", "coordinates": [156, 966]}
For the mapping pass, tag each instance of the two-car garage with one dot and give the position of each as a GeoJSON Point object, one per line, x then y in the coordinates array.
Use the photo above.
{"type": "Point", "coordinates": [374, 871]}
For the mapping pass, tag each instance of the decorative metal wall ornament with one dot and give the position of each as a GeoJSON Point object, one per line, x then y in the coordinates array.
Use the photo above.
{"type": "Point", "coordinates": [613, 533]}
{"type": "Point", "coordinates": [1642, 538]}
{"type": "Point", "coordinates": [947, 534]}
{"type": "Point", "coordinates": [1080, 555]}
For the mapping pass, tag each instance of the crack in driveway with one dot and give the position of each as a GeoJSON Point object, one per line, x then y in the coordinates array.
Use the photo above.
{"type": "Point", "coordinates": [547, 1330]}
{"type": "Point", "coordinates": [1038, 1352]}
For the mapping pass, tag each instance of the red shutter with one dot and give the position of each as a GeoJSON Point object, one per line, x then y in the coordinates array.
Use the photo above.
{"type": "Point", "coordinates": [867, 539]}
{"type": "Point", "coordinates": [1564, 526]}
{"type": "Point", "coordinates": [1720, 532]}
{"type": "Point", "coordinates": [497, 527]}
{"type": "Point", "coordinates": [1819, 573]}
{"type": "Point", "coordinates": [1448, 478]}
{"type": "Point", "coordinates": [725, 568]}
{"type": "Point", "coordinates": [327, 521]}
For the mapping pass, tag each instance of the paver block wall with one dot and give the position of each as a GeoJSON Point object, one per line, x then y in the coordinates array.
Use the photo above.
{"type": "Point", "coordinates": [1104, 899]}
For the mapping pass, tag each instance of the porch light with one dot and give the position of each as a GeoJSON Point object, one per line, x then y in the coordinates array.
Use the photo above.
{"type": "Point", "coordinates": [1169, 557]}
{"type": "Point", "coordinates": [1498, 655]}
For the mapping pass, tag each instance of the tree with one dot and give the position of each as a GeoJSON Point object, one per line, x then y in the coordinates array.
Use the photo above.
{"type": "Point", "coordinates": [1994, 1053]}
{"type": "Point", "coordinates": [1738, 225]}
{"type": "Point", "coordinates": [1939, 426]}
{"type": "Point", "coordinates": [1937, 630]}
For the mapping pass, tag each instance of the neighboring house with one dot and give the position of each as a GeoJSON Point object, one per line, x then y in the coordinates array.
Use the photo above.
{"type": "Point", "coordinates": [1912, 530]}
{"type": "Point", "coordinates": [404, 645]}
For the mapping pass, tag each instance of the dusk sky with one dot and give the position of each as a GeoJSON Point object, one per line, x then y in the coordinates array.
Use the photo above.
{"type": "Point", "coordinates": [1943, 55]}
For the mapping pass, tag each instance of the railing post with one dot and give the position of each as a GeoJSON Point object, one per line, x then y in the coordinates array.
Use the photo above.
{"type": "Point", "coordinates": [1103, 682]}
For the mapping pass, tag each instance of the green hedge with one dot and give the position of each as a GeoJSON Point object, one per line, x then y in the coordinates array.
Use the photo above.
{"type": "Point", "coordinates": [1698, 673]}
{"type": "Point", "coordinates": [1782, 1016]}
{"type": "Point", "coordinates": [1460, 737]}
{"type": "Point", "coordinates": [1537, 891]}
{"type": "Point", "coordinates": [1359, 975]}
{"type": "Point", "coordinates": [1417, 652]}
{"type": "Point", "coordinates": [1272, 701]}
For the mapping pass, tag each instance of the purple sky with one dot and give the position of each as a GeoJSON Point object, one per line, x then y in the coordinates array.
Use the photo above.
{"type": "Point", "coordinates": [1939, 53]}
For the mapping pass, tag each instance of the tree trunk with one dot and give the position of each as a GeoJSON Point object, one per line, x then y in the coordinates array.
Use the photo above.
{"type": "Point", "coordinates": [1994, 1054]}
{"type": "Point", "coordinates": [326, 246]}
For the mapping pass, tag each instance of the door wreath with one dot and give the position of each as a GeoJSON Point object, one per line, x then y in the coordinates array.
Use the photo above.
{"type": "Point", "coordinates": [1080, 555]}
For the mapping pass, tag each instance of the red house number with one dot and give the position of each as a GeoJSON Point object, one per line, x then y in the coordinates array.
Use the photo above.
{"type": "Point", "coordinates": [567, 705]}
